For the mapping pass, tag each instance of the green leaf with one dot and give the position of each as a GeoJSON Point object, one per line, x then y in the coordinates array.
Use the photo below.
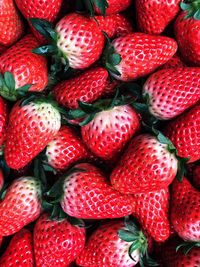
{"type": "Point", "coordinates": [114, 59]}
{"type": "Point", "coordinates": [76, 221]}
{"type": "Point", "coordinates": [102, 5]}
{"type": "Point", "coordinates": [112, 69]}
{"type": "Point", "coordinates": [76, 114]}
{"type": "Point", "coordinates": [184, 6]}
{"type": "Point", "coordinates": [9, 80]}
{"type": "Point", "coordinates": [197, 15]}
{"type": "Point", "coordinates": [45, 50]}
{"type": "Point", "coordinates": [88, 119]}
{"type": "Point", "coordinates": [88, 108]}
{"type": "Point", "coordinates": [127, 236]}
{"type": "Point", "coordinates": [182, 169]}
{"type": "Point", "coordinates": [2, 84]}
{"type": "Point", "coordinates": [131, 225]}
{"type": "Point", "coordinates": [45, 28]}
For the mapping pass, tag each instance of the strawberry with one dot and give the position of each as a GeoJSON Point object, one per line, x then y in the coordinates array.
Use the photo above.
{"type": "Point", "coordinates": [57, 242]}
{"type": "Point", "coordinates": [2, 49]}
{"type": "Point", "coordinates": [77, 40]}
{"type": "Point", "coordinates": [169, 257]}
{"type": "Point", "coordinates": [110, 130]}
{"type": "Point", "coordinates": [147, 165]}
{"type": "Point", "coordinates": [135, 55]}
{"type": "Point", "coordinates": [1, 179]}
{"type": "Point", "coordinates": [110, 6]}
{"type": "Point", "coordinates": [20, 251]}
{"type": "Point", "coordinates": [3, 120]}
{"type": "Point", "coordinates": [123, 25]}
{"type": "Point", "coordinates": [154, 16]}
{"type": "Point", "coordinates": [41, 9]}
{"type": "Point", "coordinates": [185, 210]}
{"type": "Point", "coordinates": [184, 132]}
{"type": "Point", "coordinates": [152, 211]}
{"type": "Point", "coordinates": [110, 89]}
{"type": "Point", "coordinates": [33, 123]}
{"type": "Point", "coordinates": [26, 70]}
{"type": "Point", "coordinates": [114, 244]}
{"type": "Point", "coordinates": [87, 87]}
{"type": "Point", "coordinates": [21, 205]}
{"type": "Point", "coordinates": [107, 24]}
{"type": "Point", "coordinates": [174, 62]}
{"type": "Point", "coordinates": [171, 91]}
{"type": "Point", "coordinates": [12, 26]}
{"type": "Point", "coordinates": [66, 149]}
{"type": "Point", "coordinates": [186, 29]}
{"type": "Point", "coordinates": [85, 193]}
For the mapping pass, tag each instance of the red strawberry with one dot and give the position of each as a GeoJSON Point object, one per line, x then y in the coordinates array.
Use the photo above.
{"type": "Point", "coordinates": [3, 120]}
{"type": "Point", "coordinates": [77, 40]}
{"type": "Point", "coordinates": [110, 130]}
{"type": "Point", "coordinates": [185, 210]}
{"type": "Point", "coordinates": [2, 49]}
{"type": "Point", "coordinates": [41, 9]}
{"type": "Point", "coordinates": [32, 125]}
{"type": "Point", "coordinates": [1, 179]}
{"type": "Point", "coordinates": [21, 205]}
{"type": "Point", "coordinates": [107, 24]}
{"type": "Point", "coordinates": [152, 211]}
{"type": "Point", "coordinates": [174, 62]}
{"type": "Point", "coordinates": [87, 87]}
{"type": "Point", "coordinates": [184, 132]}
{"type": "Point", "coordinates": [147, 165]}
{"type": "Point", "coordinates": [57, 242]}
{"type": "Point", "coordinates": [123, 25]}
{"type": "Point", "coordinates": [154, 16]}
{"type": "Point", "coordinates": [114, 244]}
{"type": "Point", "coordinates": [170, 258]}
{"type": "Point", "coordinates": [187, 28]}
{"type": "Point", "coordinates": [172, 91]}
{"type": "Point", "coordinates": [11, 24]}
{"type": "Point", "coordinates": [110, 90]}
{"type": "Point", "coordinates": [26, 67]}
{"type": "Point", "coordinates": [66, 149]}
{"type": "Point", "coordinates": [85, 193]}
{"type": "Point", "coordinates": [112, 6]}
{"type": "Point", "coordinates": [139, 54]}
{"type": "Point", "coordinates": [20, 251]}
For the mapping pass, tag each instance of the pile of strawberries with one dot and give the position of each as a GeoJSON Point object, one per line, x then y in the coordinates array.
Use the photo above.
{"type": "Point", "coordinates": [99, 133]}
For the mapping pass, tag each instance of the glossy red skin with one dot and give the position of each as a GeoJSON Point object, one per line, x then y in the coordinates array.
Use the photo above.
{"type": "Point", "coordinates": [42, 9]}
{"type": "Point", "coordinates": [172, 91]}
{"type": "Point", "coordinates": [80, 40]}
{"type": "Point", "coordinates": [184, 132]}
{"type": "Point", "coordinates": [145, 166]}
{"type": "Point", "coordinates": [108, 133]}
{"type": "Point", "coordinates": [27, 67]}
{"type": "Point", "coordinates": [107, 24]}
{"type": "Point", "coordinates": [3, 120]}
{"type": "Point", "coordinates": [115, 6]}
{"type": "Point", "coordinates": [88, 195]}
{"type": "Point", "coordinates": [66, 149]}
{"type": "Point", "coordinates": [153, 16]}
{"type": "Point", "coordinates": [11, 23]}
{"type": "Point", "coordinates": [123, 25]}
{"type": "Point", "coordinates": [188, 38]}
{"type": "Point", "coordinates": [1, 179]}
{"type": "Point", "coordinates": [185, 210]}
{"type": "Point", "coordinates": [152, 211]}
{"type": "Point", "coordinates": [174, 62]}
{"type": "Point", "coordinates": [57, 243]}
{"type": "Point", "coordinates": [168, 257]}
{"type": "Point", "coordinates": [21, 205]}
{"type": "Point", "coordinates": [87, 87]}
{"type": "Point", "coordinates": [141, 54]}
{"type": "Point", "coordinates": [29, 133]}
{"type": "Point", "coordinates": [20, 251]}
{"type": "Point", "coordinates": [104, 248]}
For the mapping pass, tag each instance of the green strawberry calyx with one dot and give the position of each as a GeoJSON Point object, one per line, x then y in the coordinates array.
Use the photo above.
{"type": "Point", "coordinates": [187, 246]}
{"type": "Point", "coordinates": [111, 58]}
{"type": "Point", "coordinates": [134, 235]}
{"type": "Point", "coordinates": [59, 59]}
{"type": "Point", "coordinates": [8, 88]}
{"type": "Point", "coordinates": [86, 112]}
{"type": "Point", "coordinates": [192, 8]}
{"type": "Point", "coordinates": [90, 5]}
